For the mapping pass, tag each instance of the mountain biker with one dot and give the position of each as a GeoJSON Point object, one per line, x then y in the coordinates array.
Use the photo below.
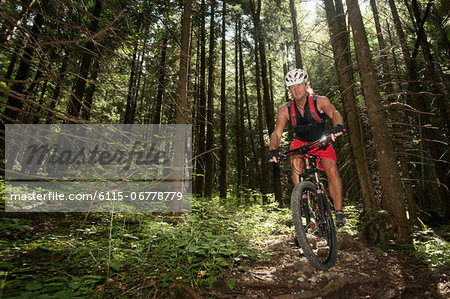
{"type": "Point", "coordinates": [306, 111]}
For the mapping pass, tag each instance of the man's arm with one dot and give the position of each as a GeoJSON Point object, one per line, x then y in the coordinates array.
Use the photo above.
{"type": "Point", "coordinates": [275, 137]}
{"type": "Point", "coordinates": [324, 104]}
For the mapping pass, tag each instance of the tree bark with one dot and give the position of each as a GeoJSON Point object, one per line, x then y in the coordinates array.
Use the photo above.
{"type": "Point", "coordinates": [298, 54]}
{"type": "Point", "coordinates": [242, 134]}
{"type": "Point", "coordinates": [128, 117]}
{"type": "Point", "coordinates": [237, 123]}
{"type": "Point", "coordinates": [209, 158]}
{"type": "Point", "coordinates": [394, 114]}
{"type": "Point", "coordinates": [88, 99]}
{"type": "Point", "coordinates": [74, 105]}
{"type": "Point", "coordinates": [181, 109]}
{"type": "Point", "coordinates": [389, 175]}
{"type": "Point", "coordinates": [57, 91]}
{"type": "Point", "coordinates": [162, 73]}
{"type": "Point", "coordinates": [223, 109]}
{"type": "Point", "coordinates": [264, 178]}
{"type": "Point", "coordinates": [340, 42]}
{"type": "Point", "coordinates": [201, 112]}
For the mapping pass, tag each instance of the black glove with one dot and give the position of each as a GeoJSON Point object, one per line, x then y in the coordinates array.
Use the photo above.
{"type": "Point", "coordinates": [337, 129]}
{"type": "Point", "coordinates": [273, 153]}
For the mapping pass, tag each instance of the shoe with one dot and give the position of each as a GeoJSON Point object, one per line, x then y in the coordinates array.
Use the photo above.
{"type": "Point", "coordinates": [340, 218]}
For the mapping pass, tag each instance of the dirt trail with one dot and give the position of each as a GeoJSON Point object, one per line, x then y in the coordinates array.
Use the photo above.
{"type": "Point", "coordinates": [359, 273]}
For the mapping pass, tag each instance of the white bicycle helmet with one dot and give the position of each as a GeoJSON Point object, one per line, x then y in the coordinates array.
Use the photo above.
{"type": "Point", "coordinates": [296, 76]}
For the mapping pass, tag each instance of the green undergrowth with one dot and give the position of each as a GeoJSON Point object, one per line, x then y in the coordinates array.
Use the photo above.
{"type": "Point", "coordinates": [432, 249]}
{"type": "Point", "coordinates": [124, 255]}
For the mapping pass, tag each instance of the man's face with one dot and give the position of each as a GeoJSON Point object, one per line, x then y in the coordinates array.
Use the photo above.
{"type": "Point", "coordinates": [298, 91]}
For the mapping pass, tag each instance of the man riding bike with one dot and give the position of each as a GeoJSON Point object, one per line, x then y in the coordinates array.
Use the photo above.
{"type": "Point", "coordinates": [307, 112]}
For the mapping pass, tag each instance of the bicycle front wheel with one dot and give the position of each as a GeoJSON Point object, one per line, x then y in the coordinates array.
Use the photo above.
{"type": "Point", "coordinates": [314, 226]}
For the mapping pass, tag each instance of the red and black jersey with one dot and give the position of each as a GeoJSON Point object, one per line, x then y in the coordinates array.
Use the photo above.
{"type": "Point", "coordinates": [311, 126]}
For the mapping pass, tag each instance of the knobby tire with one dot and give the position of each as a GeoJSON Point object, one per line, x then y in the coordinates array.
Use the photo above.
{"type": "Point", "coordinates": [318, 242]}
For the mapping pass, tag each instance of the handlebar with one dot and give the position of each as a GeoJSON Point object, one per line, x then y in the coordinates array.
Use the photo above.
{"type": "Point", "coordinates": [307, 147]}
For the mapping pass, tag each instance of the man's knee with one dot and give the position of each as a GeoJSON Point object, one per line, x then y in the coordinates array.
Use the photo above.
{"type": "Point", "coordinates": [331, 169]}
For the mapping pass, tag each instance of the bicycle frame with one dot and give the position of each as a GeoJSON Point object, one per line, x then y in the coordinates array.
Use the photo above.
{"type": "Point", "coordinates": [311, 172]}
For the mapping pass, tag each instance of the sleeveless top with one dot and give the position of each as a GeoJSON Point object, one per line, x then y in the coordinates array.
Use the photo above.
{"type": "Point", "coordinates": [308, 128]}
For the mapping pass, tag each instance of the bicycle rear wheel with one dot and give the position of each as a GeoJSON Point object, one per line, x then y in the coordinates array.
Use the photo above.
{"type": "Point", "coordinates": [314, 226]}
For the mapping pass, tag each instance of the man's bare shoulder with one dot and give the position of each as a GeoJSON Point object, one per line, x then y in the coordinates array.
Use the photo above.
{"type": "Point", "coordinates": [283, 110]}
{"type": "Point", "coordinates": [322, 101]}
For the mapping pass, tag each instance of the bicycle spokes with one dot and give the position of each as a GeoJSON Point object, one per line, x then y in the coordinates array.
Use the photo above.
{"type": "Point", "coordinates": [314, 226]}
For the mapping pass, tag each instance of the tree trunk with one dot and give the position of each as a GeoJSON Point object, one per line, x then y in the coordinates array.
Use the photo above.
{"type": "Point", "coordinates": [256, 12]}
{"type": "Point", "coordinates": [340, 42]}
{"type": "Point", "coordinates": [74, 105]}
{"type": "Point", "coordinates": [209, 158]}
{"type": "Point", "coordinates": [264, 178]}
{"type": "Point", "coordinates": [182, 110]}
{"type": "Point", "coordinates": [57, 91]}
{"type": "Point", "coordinates": [128, 118]}
{"type": "Point", "coordinates": [298, 54]}
{"type": "Point", "coordinates": [161, 88]}
{"type": "Point", "coordinates": [394, 115]}
{"type": "Point", "coordinates": [389, 175]}
{"type": "Point", "coordinates": [256, 167]}
{"type": "Point", "coordinates": [201, 112]}
{"type": "Point", "coordinates": [223, 109]}
{"type": "Point", "coordinates": [241, 133]}
{"type": "Point", "coordinates": [88, 99]}
{"type": "Point", "coordinates": [138, 85]}
{"type": "Point", "coordinates": [239, 147]}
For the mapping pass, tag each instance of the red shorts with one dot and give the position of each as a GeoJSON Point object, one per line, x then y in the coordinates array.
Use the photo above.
{"type": "Point", "coordinates": [324, 152]}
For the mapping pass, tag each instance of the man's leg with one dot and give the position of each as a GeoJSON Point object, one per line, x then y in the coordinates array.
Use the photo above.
{"type": "Point", "coordinates": [297, 164]}
{"type": "Point", "coordinates": [334, 182]}
{"type": "Point", "coordinates": [335, 186]}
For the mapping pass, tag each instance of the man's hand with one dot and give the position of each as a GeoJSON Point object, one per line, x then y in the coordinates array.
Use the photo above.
{"type": "Point", "coordinates": [273, 156]}
{"type": "Point", "coordinates": [338, 130]}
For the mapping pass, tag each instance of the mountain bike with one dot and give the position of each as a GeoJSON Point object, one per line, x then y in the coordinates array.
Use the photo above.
{"type": "Point", "coordinates": [311, 210]}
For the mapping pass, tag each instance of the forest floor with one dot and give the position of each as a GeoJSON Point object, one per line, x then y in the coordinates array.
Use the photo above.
{"type": "Point", "coordinates": [360, 272]}
{"type": "Point", "coordinates": [217, 251]}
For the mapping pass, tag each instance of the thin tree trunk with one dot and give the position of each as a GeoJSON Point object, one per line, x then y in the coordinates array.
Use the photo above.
{"type": "Point", "coordinates": [57, 91]}
{"type": "Point", "coordinates": [239, 147]}
{"type": "Point", "coordinates": [223, 108]}
{"type": "Point", "coordinates": [128, 118]}
{"type": "Point", "coordinates": [201, 112]}
{"type": "Point", "coordinates": [43, 90]}
{"type": "Point", "coordinates": [264, 178]}
{"type": "Point", "coordinates": [249, 119]}
{"type": "Point", "coordinates": [88, 99]}
{"type": "Point", "coordinates": [241, 133]}
{"type": "Point", "coordinates": [389, 175]}
{"type": "Point", "coordinates": [74, 105]}
{"type": "Point", "coordinates": [182, 109]}
{"type": "Point", "coordinates": [161, 88]}
{"type": "Point", "coordinates": [209, 158]}
{"type": "Point", "coordinates": [138, 85]}
{"type": "Point", "coordinates": [298, 54]}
